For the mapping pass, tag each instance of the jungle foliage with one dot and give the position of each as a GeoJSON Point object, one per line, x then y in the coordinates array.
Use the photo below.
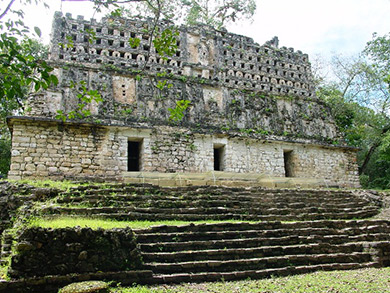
{"type": "Point", "coordinates": [359, 96]}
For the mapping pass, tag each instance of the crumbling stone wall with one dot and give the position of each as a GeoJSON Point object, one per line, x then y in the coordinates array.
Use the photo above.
{"type": "Point", "coordinates": [232, 82]}
{"type": "Point", "coordinates": [40, 251]}
{"type": "Point", "coordinates": [203, 52]}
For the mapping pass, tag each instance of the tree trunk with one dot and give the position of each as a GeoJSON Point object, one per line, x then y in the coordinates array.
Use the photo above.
{"type": "Point", "coordinates": [372, 149]}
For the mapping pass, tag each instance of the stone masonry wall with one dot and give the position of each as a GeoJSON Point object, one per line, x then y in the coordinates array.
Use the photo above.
{"type": "Point", "coordinates": [202, 52]}
{"type": "Point", "coordinates": [40, 251]}
{"type": "Point", "coordinates": [41, 149]}
{"type": "Point", "coordinates": [231, 82]}
{"type": "Point", "coordinates": [47, 149]}
{"type": "Point", "coordinates": [255, 104]}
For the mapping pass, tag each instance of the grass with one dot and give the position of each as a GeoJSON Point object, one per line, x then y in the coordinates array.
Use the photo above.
{"type": "Point", "coordinates": [62, 185]}
{"type": "Point", "coordinates": [3, 272]}
{"type": "Point", "coordinates": [63, 222]}
{"type": "Point", "coordinates": [361, 281]}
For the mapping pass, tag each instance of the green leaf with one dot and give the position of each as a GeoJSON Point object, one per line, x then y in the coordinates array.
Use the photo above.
{"type": "Point", "coordinates": [37, 31]}
{"type": "Point", "coordinates": [134, 42]}
{"type": "Point", "coordinates": [54, 79]}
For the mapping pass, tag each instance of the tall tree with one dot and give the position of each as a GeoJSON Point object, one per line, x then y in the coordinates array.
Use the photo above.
{"type": "Point", "coordinates": [359, 95]}
{"type": "Point", "coordinates": [216, 13]}
{"type": "Point", "coordinates": [378, 79]}
{"type": "Point", "coordinates": [22, 65]}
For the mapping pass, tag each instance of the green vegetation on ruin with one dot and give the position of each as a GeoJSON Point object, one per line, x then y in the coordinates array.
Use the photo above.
{"type": "Point", "coordinates": [93, 223]}
{"type": "Point", "coordinates": [61, 185]}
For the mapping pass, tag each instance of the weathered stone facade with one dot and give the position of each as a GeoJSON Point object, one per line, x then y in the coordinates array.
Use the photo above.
{"type": "Point", "coordinates": [253, 108]}
{"type": "Point", "coordinates": [79, 250]}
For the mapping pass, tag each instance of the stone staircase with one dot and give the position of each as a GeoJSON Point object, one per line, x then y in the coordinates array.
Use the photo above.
{"type": "Point", "coordinates": [228, 251]}
{"type": "Point", "coordinates": [147, 202]}
{"type": "Point", "coordinates": [322, 235]}
{"type": "Point", "coordinates": [6, 247]}
{"type": "Point", "coordinates": [281, 231]}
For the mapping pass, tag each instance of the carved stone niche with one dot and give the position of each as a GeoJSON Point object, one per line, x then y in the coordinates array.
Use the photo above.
{"type": "Point", "coordinates": [211, 95]}
{"type": "Point", "coordinates": [200, 51]}
{"type": "Point", "coordinates": [124, 89]}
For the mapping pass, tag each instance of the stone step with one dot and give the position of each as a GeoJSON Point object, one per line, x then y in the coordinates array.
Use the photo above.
{"type": "Point", "coordinates": [212, 190]}
{"type": "Point", "coordinates": [255, 274]}
{"type": "Point", "coordinates": [242, 234]}
{"type": "Point", "coordinates": [7, 240]}
{"type": "Point", "coordinates": [243, 226]}
{"type": "Point", "coordinates": [3, 262]}
{"type": "Point", "coordinates": [212, 211]}
{"type": "Point", "coordinates": [260, 241]}
{"type": "Point", "coordinates": [194, 214]}
{"type": "Point", "coordinates": [132, 216]}
{"type": "Point", "coordinates": [234, 202]}
{"type": "Point", "coordinates": [6, 247]}
{"type": "Point", "coordinates": [253, 252]}
{"type": "Point", "coordinates": [5, 254]}
{"type": "Point", "coordinates": [257, 263]}
{"type": "Point", "coordinates": [174, 195]}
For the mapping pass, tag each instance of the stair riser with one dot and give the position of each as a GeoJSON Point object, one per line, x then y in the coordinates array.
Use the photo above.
{"type": "Point", "coordinates": [258, 242]}
{"type": "Point", "coordinates": [170, 201]}
{"type": "Point", "coordinates": [254, 274]}
{"type": "Point", "coordinates": [220, 209]}
{"type": "Point", "coordinates": [257, 264]}
{"type": "Point", "coordinates": [245, 226]}
{"type": "Point", "coordinates": [247, 254]}
{"type": "Point", "coordinates": [200, 217]}
{"type": "Point", "coordinates": [181, 237]}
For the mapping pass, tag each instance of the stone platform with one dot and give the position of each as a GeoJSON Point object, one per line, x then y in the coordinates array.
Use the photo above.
{"type": "Point", "coordinates": [220, 178]}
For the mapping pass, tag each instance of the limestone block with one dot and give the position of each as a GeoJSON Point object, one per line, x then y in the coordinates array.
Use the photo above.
{"type": "Point", "coordinates": [52, 169]}
{"type": "Point", "coordinates": [86, 161]}
{"type": "Point", "coordinates": [64, 169]}
{"type": "Point", "coordinates": [30, 167]}
{"type": "Point", "coordinates": [15, 166]}
{"type": "Point", "coordinates": [15, 153]}
{"type": "Point", "coordinates": [124, 89]}
{"type": "Point", "coordinates": [41, 168]}
{"type": "Point", "coordinates": [75, 170]}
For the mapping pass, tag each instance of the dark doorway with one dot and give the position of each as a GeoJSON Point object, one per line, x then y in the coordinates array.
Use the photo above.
{"type": "Point", "coordinates": [288, 165]}
{"type": "Point", "coordinates": [133, 155]}
{"type": "Point", "coordinates": [218, 158]}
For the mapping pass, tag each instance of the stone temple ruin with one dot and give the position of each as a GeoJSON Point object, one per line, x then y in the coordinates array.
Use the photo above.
{"type": "Point", "coordinates": [253, 115]}
{"type": "Point", "coordinates": [253, 109]}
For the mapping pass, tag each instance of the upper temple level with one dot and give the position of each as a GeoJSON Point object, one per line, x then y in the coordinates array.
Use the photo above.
{"type": "Point", "coordinates": [233, 84]}
{"type": "Point", "coordinates": [229, 59]}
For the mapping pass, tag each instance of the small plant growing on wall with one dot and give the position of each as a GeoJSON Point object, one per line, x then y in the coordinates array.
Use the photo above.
{"type": "Point", "coordinates": [166, 42]}
{"type": "Point", "coordinates": [84, 97]}
{"type": "Point", "coordinates": [177, 113]}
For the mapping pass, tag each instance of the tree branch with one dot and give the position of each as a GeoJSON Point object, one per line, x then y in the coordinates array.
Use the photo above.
{"type": "Point", "coordinates": [7, 9]}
